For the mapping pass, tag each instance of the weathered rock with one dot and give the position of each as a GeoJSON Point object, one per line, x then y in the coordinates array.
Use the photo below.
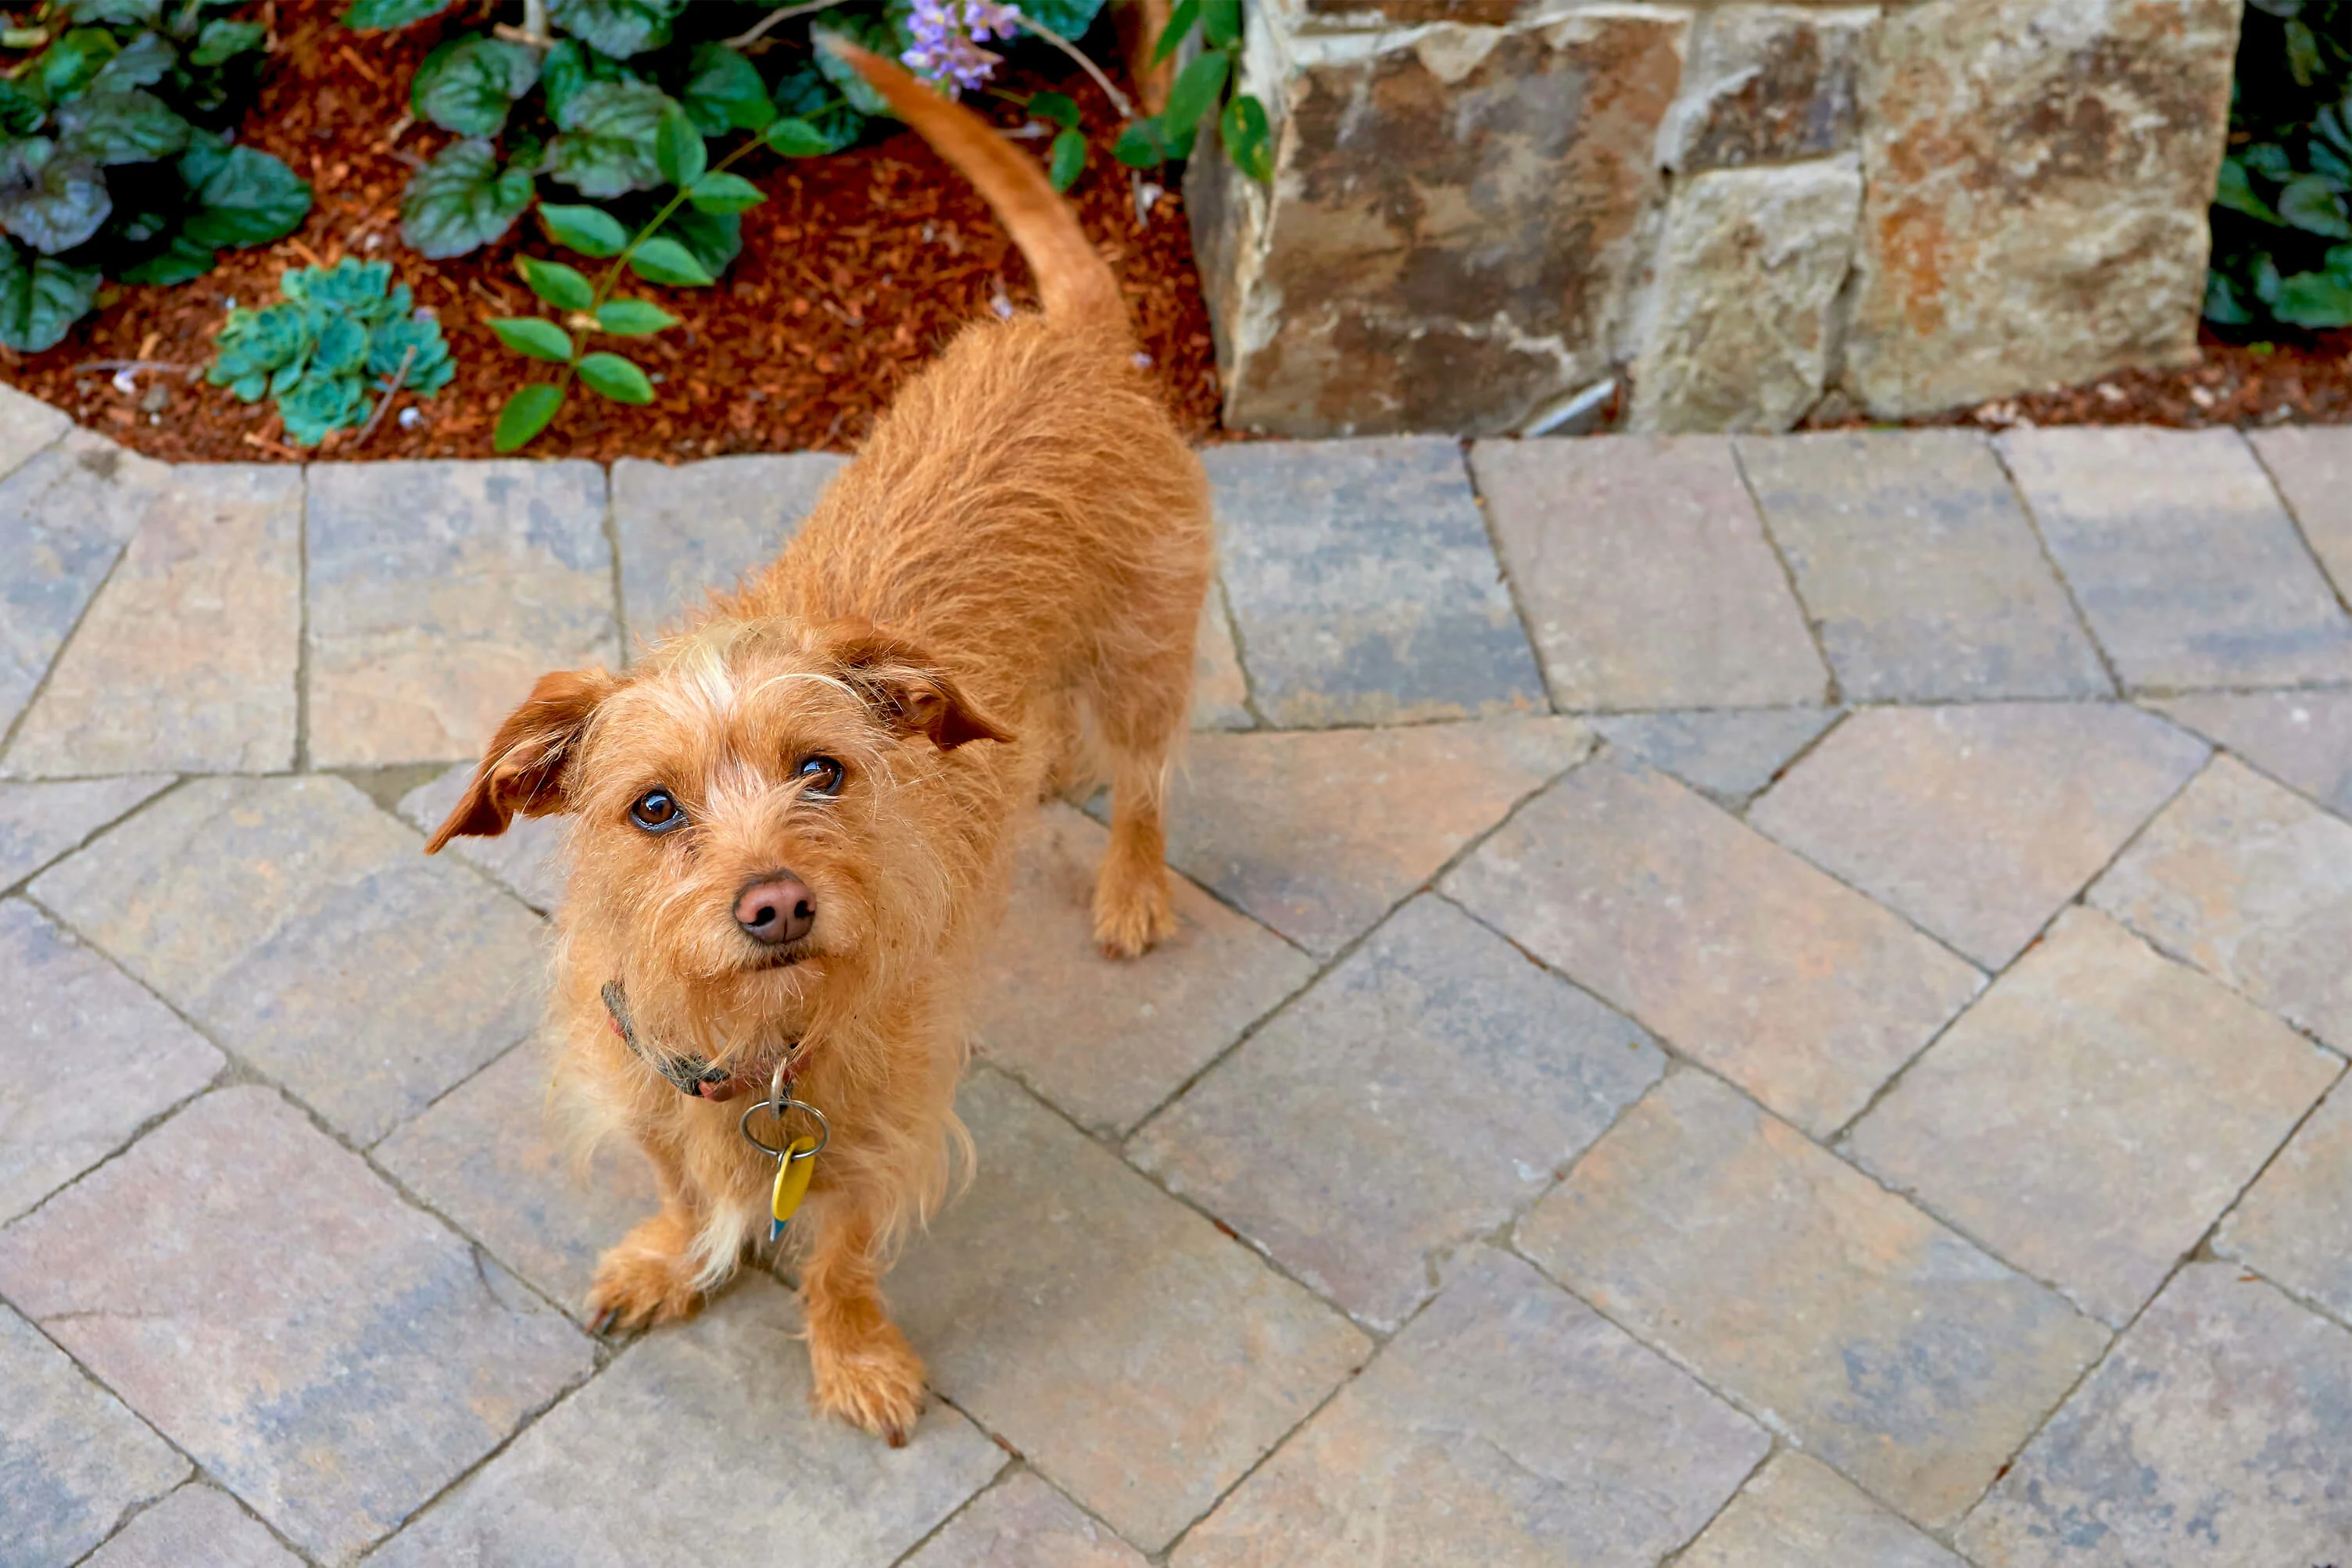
{"type": "Point", "coordinates": [1767, 84]}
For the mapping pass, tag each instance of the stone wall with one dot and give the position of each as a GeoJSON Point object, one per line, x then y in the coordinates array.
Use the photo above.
{"type": "Point", "coordinates": [1489, 214]}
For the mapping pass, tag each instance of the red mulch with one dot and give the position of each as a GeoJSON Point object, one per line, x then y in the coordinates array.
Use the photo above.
{"type": "Point", "coordinates": [857, 268]}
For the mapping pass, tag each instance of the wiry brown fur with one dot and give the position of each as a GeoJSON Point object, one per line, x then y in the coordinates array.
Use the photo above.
{"type": "Point", "coordinates": [1001, 590]}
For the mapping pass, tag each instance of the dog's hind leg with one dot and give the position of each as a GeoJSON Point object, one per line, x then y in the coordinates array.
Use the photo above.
{"type": "Point", "coordinates": [866, 1372]}
{"type": "Point", "coordinates": [1142, 707]}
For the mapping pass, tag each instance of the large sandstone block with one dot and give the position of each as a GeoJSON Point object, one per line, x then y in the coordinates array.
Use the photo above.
{"type": "Point", "coordinates": [1768, 84]}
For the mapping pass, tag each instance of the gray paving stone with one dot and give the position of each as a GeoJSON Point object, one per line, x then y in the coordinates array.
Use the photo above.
{"type": "Point", "coordinates": [71, 1458]}
{"type": "Point", "coordinates": [1979, 822]}
{"type": "Point", "coordinates": [1220, 689]}
{"type": "Point", "coordinates": [2188, 568]}
{"type": "Point", "coordinates": [195, 1527]}
{"type": "Point", "coordinates": [186, 658]}
{"type": "Point", "coordinates": [1362, 585]}
{"type": "Point", "coordinates": [2215, 1434]}
{"type": "Point", "coordinates": [86, 1057]}
{"type": "Point", "coordinates": [1139, 1359]}
{"type": "Point", "coordinates": [39, 821]}
{"type": "Point", "coordinates": [2095, 1113]}
{"type": "Point", "coordinates": [1421, 1094]}
{"type": "Point", "coordinates": [329, 1354]}
{"type": "Point", "coordinates": [2303, 738]}
{"type": "Point", "coordinates": [489, 1156]}
{"type": "Point", "coordinates": [1645, 574]}
{"type": "Point", "coordinates": [1727, 755]}
{"type": "Point", "coordinates": [2296, 1223]}
{"type": "Point", "coordinates": [302, 929]}
{"type": "Point", "coordinates": [439, 591]}
{"type": "Point", "coordinates": [527, 859]}
{"type": "Point", "coordinates": [1884, 1343]}
{"type": "Point", "coordinates": [688, 530]}
{"type": "Point", "coordinates": [1105, 1040]}
{"type": "Point", "coordinates": [1919, 568]}
{"type": "Point", "coordinates": [1509, 1425]}
{"type": "Point", "coordinates": [1024, 1523]}
{"type": "Point", "coordinates": [27, 425]}
{"type": "Point", "coordinates": [1797, 1512]}
{"type": "Point", "coordinates": [697, 1446]}
{"type": "Point", "coordinates": [1723, 943]}
{"type": "Point", "coordinates": [2312, 467]}
{"type": "Point", "coordinates": [1319, 836]}
{"type": "Point", "coordinates": [2252, 884]}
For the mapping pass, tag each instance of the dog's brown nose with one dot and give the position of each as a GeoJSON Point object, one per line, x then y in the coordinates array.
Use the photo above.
{"type": "Point", "coordinates": [775, 910]}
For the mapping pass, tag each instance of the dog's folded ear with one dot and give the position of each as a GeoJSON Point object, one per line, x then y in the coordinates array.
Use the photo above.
{"type": "Point", "coordinates": [523, 769]}
{"type": "Point", "coordinates": [906, 687]}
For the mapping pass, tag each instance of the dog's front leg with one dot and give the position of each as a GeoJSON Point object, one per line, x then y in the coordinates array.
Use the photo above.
{"type": "Point", "coordinates": [649, 1277]}
{"type": "Point", "coordinates": [866, 1372]}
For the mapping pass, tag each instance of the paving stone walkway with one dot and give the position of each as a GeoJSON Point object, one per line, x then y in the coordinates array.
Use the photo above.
{"type": "Point", "coordinates": [1764, 1004]}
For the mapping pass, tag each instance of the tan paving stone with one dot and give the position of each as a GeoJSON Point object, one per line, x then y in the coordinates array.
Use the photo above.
{"type": "Point", "coordinates": [2312, 466]}
{"type": "Point", "coordinates": [1723, 943]}
{"type": "Point", "coordinates": [195, 1527]}
{"type": "Point", "coordinates": [1884, 1342]}
{"type": "Point", "coordinates": [1977, 822]}
{"type": "Point", "coordinates": [1645, 574]}
{"type": "Point", "coordinates": [1319, 836]}
{"type": "Point", "coordinates": [1797, 1512]}
{"type": "Point", "coordinates": [1728, 754]}
{"type": "Point", "coordinates": [2303, 739]}
{"type": "Point", "coordinates": [26, 426]}
{"type": "Point", "coordinates": [1109, 1039]}
{"type": "Point", "coordinates": [2296, 1223]}
{"type": "Point", "coordinates": [2253, 884]}
{"type": "Point", "coordinates": [687, 529]}
{"type": "Point", "coordinates": [1420, 1095]}
{"type": "Point", "coordinates": [186, 658]}
{"type": "Point", "coordinates": [1139, 1359]}
{"type": "Point", "coordinates": [71, 1458]}
{"type": "Point", "coordinates": [1509, 1425]}
{"type": "Point", "coordinates": [1220, 690]}
{"type": "Point", "coordinates": [2215, 1434]}
{"type": "Point", "coordinates": [304, 929]}
{"type": "Point", "coordinates": [39, 821]}
{"type": "Point", "coordinates": [697, 1446]}
{"type": "Point", "coordinates": [439, 591]}
{"type": "Point", "coordinates": [86, 1057]}
{"type": "Point", "coordinates": [2093, 1115]}
{"type": "Point", "coordinates": [1024, 1523]}
{"type": "Point", "coordinates": [333, 1355]}
{"type": "Point", "coordinates": [527, 859]}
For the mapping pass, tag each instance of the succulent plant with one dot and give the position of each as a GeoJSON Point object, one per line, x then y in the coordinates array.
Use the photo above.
{"type": "Point", "coordinates": [317, 350]}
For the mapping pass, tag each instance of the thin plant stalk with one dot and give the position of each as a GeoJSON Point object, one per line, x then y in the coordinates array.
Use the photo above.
{"type": "Point", "coordinates": [1118, 99]}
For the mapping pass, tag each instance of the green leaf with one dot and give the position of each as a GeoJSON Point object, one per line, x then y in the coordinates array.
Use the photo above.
{"type": "Point", "coordinates": [2222, 305]}
{"type": "Point", "coordinates": [796, 138]}
{"type": "Point", "coordinates": [1140, 144]}
{"type": "Point", "coordinates": [429, 371]}
{"type": "Point", "coordinates": [1196, 92]}
{"type": "Point", "coordinates": [2309, 205]}
{"type": "Point", "coordinates": [723, 91]}
{"type": "Point", "coordinates": [616, 378]}
{"type": "Point", "coordinates": [144, 61]}
{"type": "Point", "coordinates": [533, 335]}
{"type": "Point", "coordinates": [40, 298]}
{"type": "Point", "coordinates": [132, 126]}
{"type": "Point", "coordinates": [807, 94]}
{"type": "Point", "coordinates": [2235, 191]}
{"type": "Point", "coordinates": [50, 199]}
{"type": "Point", "coordinates": [254, 344]}
{"type": "Point", "coordinates": [73, 61]}
{"type": "Point", "coordinates": [182, 261]}
{"type": "Point", "coordinates": [1068, 159]}
{"type": "Point", "coordinates": [342, 347]}
{"type": "Point", "coordinates": [1244, 130]}
{"type": "Point", "coordinates": [560, 286]}
{"type": "Point", "coordinates": [1056, 107]}
{"type": "Point", "coordinates": [1069, 18]}
{"type": "Point", "coordinates": [2266, 278]}
{"type": "Point", "coordinates": [2278, 7]}
{"type": "Point", "coordinates": [127, 13]}
{"type": "Point", "coordinates": [724, 193]}
{"type": "Point", "coordinates": [618, 28]}
{"type": "Point", "coordinates": [373, 15]}
{"type": "Point", "coordinates": [2312, 299]}
{"type": "Point", "coordinates": [1179, 22]}
{"type": "Point", "coordinates": [461, 201]}
{"type": "Point", "coordinates": [320, 405]}
{"type": "Point", "coordinates": [678, 151]}
{"type": "Point", "coordinates": [525, 415]}
{"type": "Point", "coordinates": [1220, 23]}
{"type": "Point", "coordinates": [590, 231]}
{"type": "Point", "coordinates": [607, 149]}
{"type": "Point", "coordinates": [713, 239]}
{"type": "Point", "coordinates": [2302, 53]}
{"type": "Point", "coordinates": [877, 34]}
{"type": "Point", "coordinates": [469, 84]}
{"type": "Point", "coordinates": [660, 260]}
{"type": "Point", "coordinates": [220, 42]}
{"type": "Point", "coordinates": [20, 112]}
{"type": "Point", "coordinates": [633, 318]}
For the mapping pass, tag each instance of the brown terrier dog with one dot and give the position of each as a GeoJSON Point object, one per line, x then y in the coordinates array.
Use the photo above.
{"type": "Point", "coordinates": [791, 820]}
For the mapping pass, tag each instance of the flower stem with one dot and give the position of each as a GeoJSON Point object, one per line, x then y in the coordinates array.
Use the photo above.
{"type": "Point", "coordinates": [1118, 99]}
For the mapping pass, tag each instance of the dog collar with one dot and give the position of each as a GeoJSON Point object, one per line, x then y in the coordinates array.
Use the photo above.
{"type": "Point", "coordinates": [694, 1075]}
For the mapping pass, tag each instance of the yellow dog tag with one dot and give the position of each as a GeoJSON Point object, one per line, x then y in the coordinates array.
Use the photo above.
{"type": "Point", "coordinates": [793, 1173]}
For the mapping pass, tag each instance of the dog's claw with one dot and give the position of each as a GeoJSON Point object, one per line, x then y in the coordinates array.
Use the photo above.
{"type": "Point", "coordinates": [895, 1435]}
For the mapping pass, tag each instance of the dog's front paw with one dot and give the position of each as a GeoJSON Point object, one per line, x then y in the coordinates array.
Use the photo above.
{"type": "Point", "coordinates": [874, 1381]}
{"type": "Point", "coordinates": [644, 1282]}
{"type": "Point", "coordinates": [1133, 914]}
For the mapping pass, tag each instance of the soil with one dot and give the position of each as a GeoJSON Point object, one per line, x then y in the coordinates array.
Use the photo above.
{"type": "Point", "coordinates": [855, 271]}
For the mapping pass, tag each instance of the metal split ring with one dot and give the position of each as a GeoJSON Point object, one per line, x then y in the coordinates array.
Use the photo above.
{"type": "Point", "coordinates": [781, 1110]}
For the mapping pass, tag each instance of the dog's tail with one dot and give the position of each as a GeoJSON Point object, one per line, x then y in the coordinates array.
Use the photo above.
{"type": "Point", "coordinates": [1076, 284]}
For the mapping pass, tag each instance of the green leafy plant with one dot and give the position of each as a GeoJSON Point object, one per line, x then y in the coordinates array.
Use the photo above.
{"type": "Point", "coordinates": [2281, 229]}
{"type": "Point", "coordinates": [1205, 86]}
{"type": "Point", "coordinates": [337, 333]}
{"type": "Point", "coordinates": [115, 160]}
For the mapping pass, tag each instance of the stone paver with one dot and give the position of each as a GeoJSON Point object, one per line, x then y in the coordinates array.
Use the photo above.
{"type": "Point", "coordinates": [1727, 755]}
{"type": "Point", "coordinates": [1139, 1359]}
{"type": "Point", "coordinates": [439, 592]}
{"type": "Point", "coordinates": [1422, 1093]}
{"type": "Point", "coordinates": [2312, 466]}
{"type": "Point", "coordinates": [304, 930]}
{"type": "Point", "coordinates": [1979, 822]}
{"type": "Point", "coordinates": [2095, 1113]}
{"type": "Point", "coordinates": [333, 1355]}
{"type": "Point", "coordinates": [2253, 884]}
{"type": "Point", "coordinates": [27, 425]}
{"type": "Point", "coordinates": [1645, 577]}
{"type": "Point", "coordinates": [1799, 1514]}
{"type": "Point", "coordinates": [186, 657]}
{"type": "Point", "coordinates": [1725, 945]}
{"type": "Point", "coordinates": [489, 1156]}
{"type": "Point", "coordinates": [525, 859]}
{"type": "Point", "coordinates": [2215, 1434]}
{"type": "Point", "coordinates": [685, 531]}
{"type": "Point", "coordinates": [697, 1446]}
{"type": "Point", "coordinates": [2296, 1223]}
{"type": "Point", "coordinates": [2303, 739]}
{"type": "Point", "coordinates": [1362, 585]}
{"type": "Point", "coordinates": [1884, 1342]}
{"type": "Point", "coordinates": [86, 1057]}
{"type": "Point", "coordinates": [1220, 689]}
{"type": "Point", "coordinates": [2186, 566]}
{"type": "Point", "coordinates": [1509, 1425]}
{"type": "Point", "coordinates": [39, 821]}
{"type": "Point", "coordinates": [1919, 568]}
{"type": "Point", "coordinates": [195, 1527]}
{"type": "Point", "coordinates": [1105, 1040]}
{"type": "Point", "coordinates": [71, 1458]}
{"type": "Point", "coordinates": [1024, 1523]}
{"type": "Point", "coordinates": [1319, 836]}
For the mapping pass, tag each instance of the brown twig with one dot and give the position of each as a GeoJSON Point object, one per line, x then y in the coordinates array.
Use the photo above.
{"type": "Point", "coordinates": [759, 29]}
{"type": "Point", "coordinates": [1118, 99]}
{"type": "Point", "coordinates": [407, 359]}
{"type": "Point", "coordinates": [135, 365]}
{"type": "Point", "coordinates": [511, 34]}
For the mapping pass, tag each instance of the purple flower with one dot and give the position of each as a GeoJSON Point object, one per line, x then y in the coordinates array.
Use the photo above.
{"type": "Point", "coordinates": [947, 39]}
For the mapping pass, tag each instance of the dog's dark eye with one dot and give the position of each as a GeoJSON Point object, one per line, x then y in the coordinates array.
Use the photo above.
{"type": "Point", "coordinates": [823, 775]}
{"type": "Point", "coordinates": [656, 811]}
